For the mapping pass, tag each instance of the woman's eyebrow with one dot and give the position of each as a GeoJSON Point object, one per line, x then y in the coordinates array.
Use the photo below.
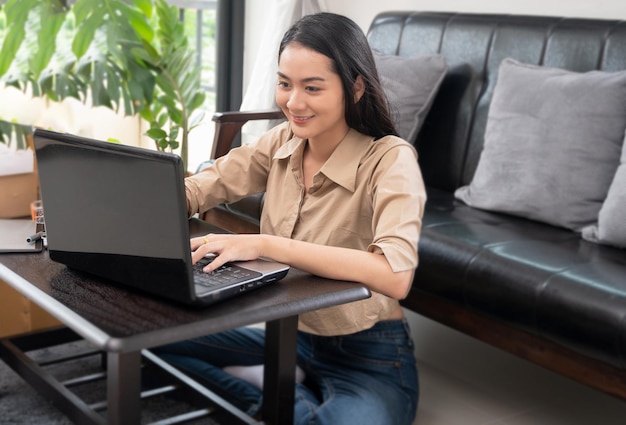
{"type": "Point", "coordinates": [304, 80]}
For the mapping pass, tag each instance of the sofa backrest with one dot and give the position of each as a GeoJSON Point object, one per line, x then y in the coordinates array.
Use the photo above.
{"type": "Point", "coordinates": [451, 138]}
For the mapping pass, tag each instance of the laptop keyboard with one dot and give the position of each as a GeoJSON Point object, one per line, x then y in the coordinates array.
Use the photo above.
{"type": "Point", "coordinates": [226, 274]}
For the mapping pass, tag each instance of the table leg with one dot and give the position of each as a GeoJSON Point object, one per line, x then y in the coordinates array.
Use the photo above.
{"type": "Point", "coordinates": [280, 370]}
{"type": "Point", "coordinates": [123, 388]}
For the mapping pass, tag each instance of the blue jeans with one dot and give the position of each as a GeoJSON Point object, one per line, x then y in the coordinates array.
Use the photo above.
{"type": "Point", "coordinates": [368, 377]}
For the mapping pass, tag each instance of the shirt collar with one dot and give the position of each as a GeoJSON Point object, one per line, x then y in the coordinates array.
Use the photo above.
{"type": "Point", "coordinates": [343, 164]}
{"type": "Point", "coordinates": [286, 150]}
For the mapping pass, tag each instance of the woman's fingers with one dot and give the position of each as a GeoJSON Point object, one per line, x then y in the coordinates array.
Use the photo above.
{"type": "Point", "coordinates": [225, 247]}
{"type": "Point", "coordinates": [197, 242]}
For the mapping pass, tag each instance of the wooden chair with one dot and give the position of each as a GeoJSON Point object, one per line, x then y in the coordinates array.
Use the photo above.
{"type": "Point", "coordinates": [227, 126]}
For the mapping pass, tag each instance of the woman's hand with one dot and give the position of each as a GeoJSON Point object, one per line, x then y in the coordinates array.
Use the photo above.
{"type": "Point", "coordinates": [226, 248]}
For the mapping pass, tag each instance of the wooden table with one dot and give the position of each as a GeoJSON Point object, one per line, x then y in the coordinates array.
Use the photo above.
{"type": "Point", "coordinates": [124, 324]}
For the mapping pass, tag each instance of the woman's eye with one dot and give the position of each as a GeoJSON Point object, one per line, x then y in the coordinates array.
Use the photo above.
{"type": "Point", "coordinates": [313, 89]}
{"type": "Point", "coordinates": [283, 84]}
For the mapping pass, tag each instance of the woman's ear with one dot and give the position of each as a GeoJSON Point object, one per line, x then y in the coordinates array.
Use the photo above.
{"type": "Point", "coordinates": [358, 88]}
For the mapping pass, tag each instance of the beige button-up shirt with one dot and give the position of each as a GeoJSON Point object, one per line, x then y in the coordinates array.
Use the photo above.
{"type": "Point", "coordinates": [369, 195]}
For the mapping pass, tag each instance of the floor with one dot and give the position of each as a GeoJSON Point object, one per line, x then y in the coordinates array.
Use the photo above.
{"type": "Point", "coordinates": [466, 382]}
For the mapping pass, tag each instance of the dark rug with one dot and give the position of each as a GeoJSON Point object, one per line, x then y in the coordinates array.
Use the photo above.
{"type": "Point", "coordinates": [21, 404]}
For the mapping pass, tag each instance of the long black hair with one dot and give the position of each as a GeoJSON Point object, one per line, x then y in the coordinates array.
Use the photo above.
{"type": "Point", "coordinates": [344, 43]}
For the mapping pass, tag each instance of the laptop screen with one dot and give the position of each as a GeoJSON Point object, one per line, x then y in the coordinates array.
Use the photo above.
{"type": "Point", "coordinates": [114, 210]}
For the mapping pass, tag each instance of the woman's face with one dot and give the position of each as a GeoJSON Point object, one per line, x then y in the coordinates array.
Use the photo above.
{"type": "Point", "coordinates": [310, 95]}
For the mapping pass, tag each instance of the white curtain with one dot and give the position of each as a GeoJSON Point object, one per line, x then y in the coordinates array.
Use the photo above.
{"type": "Point", "coordinates": [259, 95]}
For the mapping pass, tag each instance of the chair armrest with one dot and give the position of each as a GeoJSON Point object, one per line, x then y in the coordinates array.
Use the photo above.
{"type": "Point", "coordinates": [228, 124]}
{"type": "Point", "coordinates": [228, 220]}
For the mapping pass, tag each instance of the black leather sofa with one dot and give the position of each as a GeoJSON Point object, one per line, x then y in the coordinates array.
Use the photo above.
{"type": "Point", "coordinates": [537, 291]}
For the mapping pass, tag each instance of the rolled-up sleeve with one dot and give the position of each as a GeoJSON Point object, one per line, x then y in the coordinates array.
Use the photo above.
{"type": "Point", "coordinates": [242, 172]}
{"type": "Point", "coordinates": [398, 198]}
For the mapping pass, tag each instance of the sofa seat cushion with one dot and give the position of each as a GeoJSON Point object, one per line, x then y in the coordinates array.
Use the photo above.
{"type": "Point", "coordinates": [539, 278]}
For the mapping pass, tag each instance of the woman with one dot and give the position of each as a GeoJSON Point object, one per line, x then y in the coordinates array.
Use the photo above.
{"type": "Point", "coordinates": [344, 199]}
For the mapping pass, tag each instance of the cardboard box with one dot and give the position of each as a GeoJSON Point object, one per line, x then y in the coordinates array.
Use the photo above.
{"type": "Point", "coordinates": [19, 315]}
{"type": "Point", "coordinates": [19, 182]}
{"type": "Point", "coordinates": [17, 191]}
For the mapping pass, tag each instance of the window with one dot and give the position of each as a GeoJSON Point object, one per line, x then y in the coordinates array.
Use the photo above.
{"type": "Point", "coordinates": [216, 29]}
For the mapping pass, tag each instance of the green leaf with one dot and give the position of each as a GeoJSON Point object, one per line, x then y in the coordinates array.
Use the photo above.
{"type": "Point", "coordinates": [168, 86]}
{"type": "Point", "coordinates": [162, 144]}
{"type": "Point", "coordinates": [144, 79]}
{"type": "Point", "coordinates": [10, 45]}
{"type": "Point", "coordinates": [20, 137]}
{"type": "Point", "coordinates": [176, 116]}
{"type": "Point", "coordinates": [154, 54]}
{"type": "Point", "coordinates": [137, 20]}
{"type": "Point", "coordinates": [141, 27]}
{"type": "Point", "coordinates": [46, 83]}
{"type": "Point", "coordinates": [162, 119]}
{"type": "Point", "coordinates": [188, 89]}
{"type": "Point", "coordinates": [136, 91]}
{"type": "Point", "coordinates": [129, 107]}
{"type": "Point", "coordinates": [51, 24]}
{"type": "Point", "coordinates": [17, 10]}
{"type": "Point", "coordinates": [198, 100]}
{"type": "Point", "coordinates": [174, 132]}
{"type": "Point", "coordinates": [145, 6]}
{"type": "Point", "coordinates": [146, 56]}
{"type": "Point", "coordinates": [174, 144]}
{"type": "Point", "coordinates": [5, 132]}
{"type": "Point", "coordinates": [146, 114]}
{"type": "Point", "coordinates": [98, 91]}
{"type": "Point", "coordinates": [167, 101]}
{"type": "Point", "coordinates": [83, 8]}
{"type": "Point", "coordinates": [196, 119]}
{"type": "Point", "coordinates": [86, 32]}
{"type": "Point", "coordinates": [156, 133]}
{"type": "Point", "coordinates": [113, 85]}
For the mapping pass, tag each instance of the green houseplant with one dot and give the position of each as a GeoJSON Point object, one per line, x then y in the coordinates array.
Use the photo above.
{"type": "Point", "coordinates": [178, 93]}
{"type": "Point", "coordinates": [128, 55]}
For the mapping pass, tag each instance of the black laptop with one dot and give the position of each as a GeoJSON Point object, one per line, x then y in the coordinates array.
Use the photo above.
{"type": "Point", "coordinates": [119, 212]}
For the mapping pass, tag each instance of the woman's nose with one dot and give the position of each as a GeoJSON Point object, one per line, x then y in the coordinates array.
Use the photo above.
{"type": "Point", "coordinates": [296, 100]}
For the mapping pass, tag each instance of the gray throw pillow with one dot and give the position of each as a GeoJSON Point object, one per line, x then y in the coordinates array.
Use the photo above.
{"type": "Point", "coordinates": [611, 226]}
{"type": "Point", "coordinates": [552, 144]}
{"type": "Point", "coordinates": [411, 84]}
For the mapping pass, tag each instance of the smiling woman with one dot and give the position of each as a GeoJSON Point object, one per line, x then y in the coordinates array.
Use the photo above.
{"type": "Point", "coordinates": [341, 190]}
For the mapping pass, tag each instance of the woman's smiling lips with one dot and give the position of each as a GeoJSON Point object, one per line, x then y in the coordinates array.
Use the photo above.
{"type": "Point", "coordinates": [300, 120]}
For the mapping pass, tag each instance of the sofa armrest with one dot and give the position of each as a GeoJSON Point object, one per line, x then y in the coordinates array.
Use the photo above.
{"type": "Point", "coordinates": [228, 125]}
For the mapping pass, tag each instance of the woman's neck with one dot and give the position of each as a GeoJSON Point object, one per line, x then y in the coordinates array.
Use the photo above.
{"type": "Point", "coordinates": [320, 148]}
